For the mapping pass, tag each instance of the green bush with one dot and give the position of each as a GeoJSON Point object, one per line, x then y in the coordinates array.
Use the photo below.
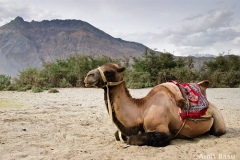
{"type": "Point", "coordinates": [53, 90]}
{"type": "Point", "coordinates": [64, 83]}
{"type": "Point", "coordinates": [28, 77]}
{"type": "Point", "coordinates": [37, 89]}
{"type": "Point", "coordinates": [146, 71]}
{"type": "Point", "coordinates": [24, 88]}
{"type": "Point", "coordinates": [224, 71]}
{"type": "Point", "coordinates": [138, 79]}
{"type": "Point", "coordinates": [12, 87]}
{"type": "Point", "coordinates": [61, 73]}
{"type": "Point", "coordinates": [5, 82]}
{"type": "Point", "coordinates": [152, 63]}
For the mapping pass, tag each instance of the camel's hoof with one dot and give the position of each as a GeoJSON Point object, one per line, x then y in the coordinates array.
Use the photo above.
{"type": "Point", "coordinates": [124, 138]}
{"type": "Point", "coordinates": [156, 139]}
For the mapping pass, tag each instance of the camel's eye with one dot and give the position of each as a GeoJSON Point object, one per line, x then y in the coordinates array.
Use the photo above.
{"type": "Point", "coordinates": [91, 74]}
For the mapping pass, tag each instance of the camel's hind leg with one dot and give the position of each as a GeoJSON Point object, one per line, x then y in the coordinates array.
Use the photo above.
{"type": "Point", "coordinates": [219, 127]}
{"type": "Point", "coordinates": [156, 139]}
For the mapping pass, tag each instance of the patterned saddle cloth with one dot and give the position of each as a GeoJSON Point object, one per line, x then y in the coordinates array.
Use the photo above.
{"type": "Point", "coordinates": [197, 104]}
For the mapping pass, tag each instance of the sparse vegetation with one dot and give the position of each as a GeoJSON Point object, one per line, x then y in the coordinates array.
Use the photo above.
{"type": "Point", "coordinates": [4, 82]}
{"type": "Point", "coordinates": [224, 71]}
{"type": "Point", "coordinates": [53, 90]}
{"type": "Point", "coordinates": [36, 89]}
{"type": "Point", "coordinates": [62, 73]}
{"type": "Point", "coordinates": [147, 71]}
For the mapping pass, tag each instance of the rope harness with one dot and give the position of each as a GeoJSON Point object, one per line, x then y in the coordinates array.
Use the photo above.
{"type": "Point", "coordinates": [108, 98]}
{"type": "Point", "coordinates": [110, 109]}
{"type": "Point", "coordinates": [184, 122]}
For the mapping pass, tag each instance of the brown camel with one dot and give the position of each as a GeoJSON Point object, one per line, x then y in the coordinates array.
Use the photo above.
{"type": "Point", "coordinates": [154, 119]}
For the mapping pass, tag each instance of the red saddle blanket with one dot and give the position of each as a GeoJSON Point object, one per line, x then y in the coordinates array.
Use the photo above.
{"type": "Point", "coordinates": [197, 104]}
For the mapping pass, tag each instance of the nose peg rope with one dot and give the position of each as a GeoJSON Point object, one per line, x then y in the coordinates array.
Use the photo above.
{"type": "Point", "coordinates": [107, 86]}
{"type": "Point", "coordinates": [108, 99]}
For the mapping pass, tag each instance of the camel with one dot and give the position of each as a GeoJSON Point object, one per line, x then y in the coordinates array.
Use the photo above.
{"type": "Point", "coordinates": [154, 119]}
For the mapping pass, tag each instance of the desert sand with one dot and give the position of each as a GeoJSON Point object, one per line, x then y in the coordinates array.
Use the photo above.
{"type": "Point", "coordinates": [74, 124]}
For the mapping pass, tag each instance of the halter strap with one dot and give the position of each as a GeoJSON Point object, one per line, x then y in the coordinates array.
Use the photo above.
{"type": "Point", "coordinates": [105, 79]}
{"type": "Point", "coordinates": [108, 99]}
{"type": "Point", "coordinates": [108, 84]}
{"type": "Point", "coordinates": [102, 75]}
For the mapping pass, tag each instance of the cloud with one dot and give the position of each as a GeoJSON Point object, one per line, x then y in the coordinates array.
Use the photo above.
{"type": "Point", "coordinates": [201, 23]}
{"type": "Point", "coordinates": [236, 41]}
{"type": "Point", "coordinates": [192, 17]}
{"type": "Point", "coordinates": [203, 30]}
{"type": "Point", "coordinates": [208, 38]}
{"type": "Point", "coordinates": [11, 9]}
{"type": "Point", "coordinates": [213, 19]}
{"type": "Point", "coordinates": [183, 27]}
{"type": "Point", "coordinates": [211, 33]}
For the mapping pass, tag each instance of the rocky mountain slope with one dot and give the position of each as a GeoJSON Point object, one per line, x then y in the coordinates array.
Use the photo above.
{"type": "Point", "coordinates": [27, 44]}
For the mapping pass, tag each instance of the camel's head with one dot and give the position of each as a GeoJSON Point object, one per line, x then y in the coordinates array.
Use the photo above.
{"type": "Point", "coordinates": [112, 72]}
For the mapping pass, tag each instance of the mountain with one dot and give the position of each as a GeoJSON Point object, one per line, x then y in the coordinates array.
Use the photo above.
{"type": "Point", "coordinates": [29, 44]}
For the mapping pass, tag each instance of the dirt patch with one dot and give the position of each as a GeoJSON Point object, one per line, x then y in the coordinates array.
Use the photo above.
{"type": "Point", "coordinates": [10, 103]}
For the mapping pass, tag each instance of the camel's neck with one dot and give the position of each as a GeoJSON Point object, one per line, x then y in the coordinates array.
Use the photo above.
{"type": "Point", "coordinates": [126, 110]}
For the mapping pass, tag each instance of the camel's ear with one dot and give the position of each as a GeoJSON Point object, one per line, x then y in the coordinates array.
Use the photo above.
{"type": "Point", "coordinates": [204, 85]}
{"type": "Point", "coordinates": [121, 69]}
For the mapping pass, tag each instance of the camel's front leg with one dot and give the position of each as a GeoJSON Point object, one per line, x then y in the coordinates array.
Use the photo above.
{"type": "Point", "coordinates": [156, 139]}
{"type": "Point", "coordinates": [123, 137]}
{"type": "Point", "coordinates": [157, 133]}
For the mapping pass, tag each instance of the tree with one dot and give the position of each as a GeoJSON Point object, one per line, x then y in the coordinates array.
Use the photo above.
{"type": "Point", "coordinates": [5, 81]}
{"type": "Point", "coordinates": [153, 63]}
{"type": "Point", "coordinates": [224, 71]}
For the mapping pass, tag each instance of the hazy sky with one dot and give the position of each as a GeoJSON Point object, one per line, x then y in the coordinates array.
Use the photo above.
{"type": "Point", "coordinates": [182, 27]}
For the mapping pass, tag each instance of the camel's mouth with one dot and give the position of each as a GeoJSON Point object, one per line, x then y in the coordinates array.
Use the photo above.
{"type": "Point", "coordinates": [92, 84]}
{"type": "Point", "coordinates": [88, 85]}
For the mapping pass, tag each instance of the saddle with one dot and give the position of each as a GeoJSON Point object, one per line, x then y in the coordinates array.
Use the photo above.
{"type": "Point", "coordinates": [190, 99]}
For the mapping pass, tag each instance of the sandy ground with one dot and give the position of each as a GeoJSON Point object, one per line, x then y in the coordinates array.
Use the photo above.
{"type": "Point", "coordinates": [74, 124]}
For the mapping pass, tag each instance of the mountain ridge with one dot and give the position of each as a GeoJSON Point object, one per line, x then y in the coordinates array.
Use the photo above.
{"type": "Point", "coordinates": [29, 44]}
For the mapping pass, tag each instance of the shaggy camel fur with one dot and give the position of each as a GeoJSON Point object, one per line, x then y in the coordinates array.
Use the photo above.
{"type": "Point", "coordinates": [154, 119]}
